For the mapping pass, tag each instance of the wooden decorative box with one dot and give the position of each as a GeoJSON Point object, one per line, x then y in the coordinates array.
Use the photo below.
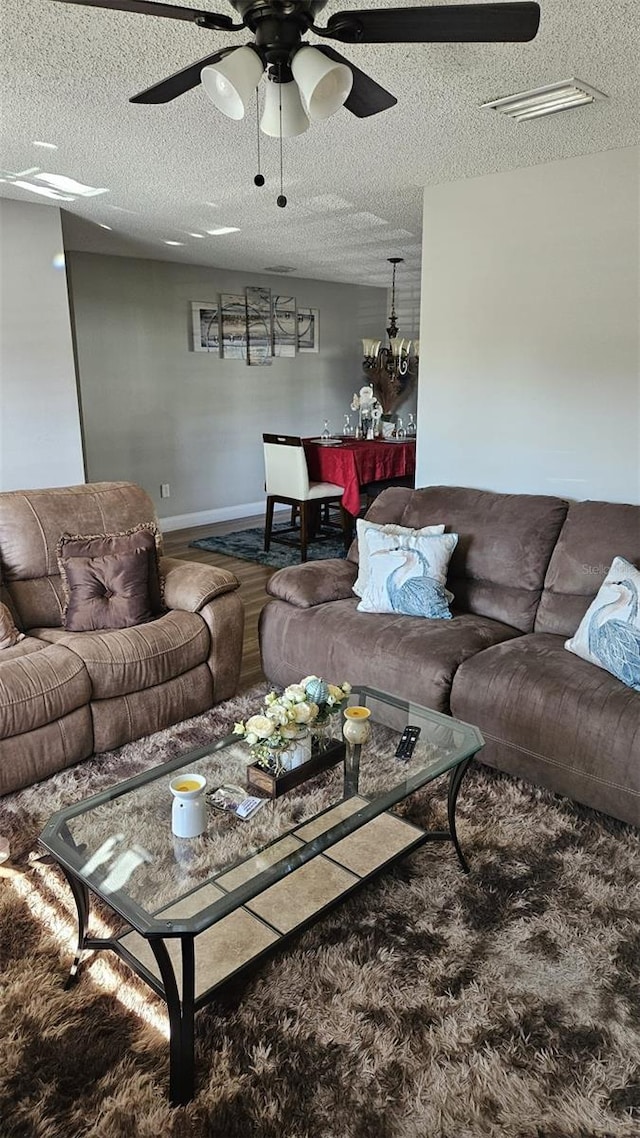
{"type": "Point", "coordinates": [264, 782]}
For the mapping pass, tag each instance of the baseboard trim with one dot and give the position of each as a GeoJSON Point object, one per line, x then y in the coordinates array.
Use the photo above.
{"type": "Point", "coordinates": [207, 517]}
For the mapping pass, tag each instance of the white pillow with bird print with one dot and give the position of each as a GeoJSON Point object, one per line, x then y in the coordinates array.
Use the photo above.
{"type": "Point", "coordinates": [609, 633]}
{"type": "Point", "coordinates": [362, 525]}
{"type": "Point", "coordinates": [407, 573]}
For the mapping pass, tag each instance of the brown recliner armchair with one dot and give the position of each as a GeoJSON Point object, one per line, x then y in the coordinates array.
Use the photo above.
{"type": "Point", "coordinates": [65, 695]}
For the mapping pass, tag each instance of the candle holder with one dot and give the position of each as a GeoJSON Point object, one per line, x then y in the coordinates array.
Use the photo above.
{"type": "Point", "coordinates": [357, 731]}
{"type": "Point", "coordinates": [189, 810]}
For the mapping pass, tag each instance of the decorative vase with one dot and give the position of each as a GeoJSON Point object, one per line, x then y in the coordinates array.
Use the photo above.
{"type": "Point", "coordinates": [356, 728]}
{"type": "Point", "coordinates": [299, 749]}
{"type": "Point", "coordinates": [287, 758]}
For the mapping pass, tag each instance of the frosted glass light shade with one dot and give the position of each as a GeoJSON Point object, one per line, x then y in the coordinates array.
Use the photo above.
{"type": "Point", "coordinates": [294, 119]}
{"type": "Point", "coordinates": [230, 83]}
{"type": "Point", "coordinates": [323, 83]}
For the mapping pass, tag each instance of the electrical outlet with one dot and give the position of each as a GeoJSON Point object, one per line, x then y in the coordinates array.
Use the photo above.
{"type": "Point", "coordinates": [165, 490]}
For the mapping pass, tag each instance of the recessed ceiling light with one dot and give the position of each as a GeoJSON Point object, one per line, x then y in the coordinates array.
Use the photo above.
{"type": "Point", "coordinates": [173, 242]}
{"type": "Point", "coordinates": [546, 100]}
{"type": "Point", "coordinates": [197, 235]}
{"type": "Point", "coordinates": [279, 269]}
{"type": "Point", "coordinates": [103, 226]}
{"type": "Point", "coordinates": [45, 145]}
{"type": "Point", "coordinates": [218, 232]}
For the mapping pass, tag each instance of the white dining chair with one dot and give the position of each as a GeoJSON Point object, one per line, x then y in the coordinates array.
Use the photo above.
{"type": "Point", "coordinates": [287, 482]}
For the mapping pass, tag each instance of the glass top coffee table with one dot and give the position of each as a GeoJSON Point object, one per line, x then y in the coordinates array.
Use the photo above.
{"type": "Point", "coordinates": [199, 911]}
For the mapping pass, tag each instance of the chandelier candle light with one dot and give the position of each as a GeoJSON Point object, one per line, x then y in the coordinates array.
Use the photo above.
{"type": "Point", "coordinates": [391, 371]}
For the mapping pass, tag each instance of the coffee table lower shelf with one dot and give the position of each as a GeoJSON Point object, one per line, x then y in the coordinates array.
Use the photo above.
{"type": "Point", "coordinates": [187, 970]}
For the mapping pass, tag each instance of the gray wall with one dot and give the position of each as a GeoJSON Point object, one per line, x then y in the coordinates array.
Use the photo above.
{"type": "Point", "coordinates": [529, 377]}
{"type": "Point", "coordinates": [40, 443]}
{"type": "Point", "coordinates": [155, 411]}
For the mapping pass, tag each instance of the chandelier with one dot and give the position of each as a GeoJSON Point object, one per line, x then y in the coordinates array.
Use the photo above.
{"type": "Point", "coordinates": [391, 371]}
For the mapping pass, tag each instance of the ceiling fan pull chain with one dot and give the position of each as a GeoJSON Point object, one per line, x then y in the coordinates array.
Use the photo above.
{"type": "Point", "coordinates": [280, 200]}
{"type": "Point", "coordinates": [259, 178]}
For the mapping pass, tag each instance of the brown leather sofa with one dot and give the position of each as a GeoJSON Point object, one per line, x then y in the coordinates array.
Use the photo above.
{"type": "Point", "coordinates": [523, 574]}
{"type": "Point", "coordinates": [65, 695]}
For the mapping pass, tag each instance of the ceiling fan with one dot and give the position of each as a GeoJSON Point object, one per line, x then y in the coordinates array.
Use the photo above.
{"type": "Point", "coordinates": [308, 83]}
{"type": "Point", "coordinates": [279, 26]}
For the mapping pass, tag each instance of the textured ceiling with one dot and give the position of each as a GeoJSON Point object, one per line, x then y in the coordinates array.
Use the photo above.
{"type": "Point", "coordinates": [354, 185]}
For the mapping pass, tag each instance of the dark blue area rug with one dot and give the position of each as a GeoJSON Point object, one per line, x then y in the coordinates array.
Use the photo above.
{"type": "Point", "coordinates": [248, 545]}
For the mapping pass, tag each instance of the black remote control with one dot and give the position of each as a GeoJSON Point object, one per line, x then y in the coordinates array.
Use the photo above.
{"type": "Point", "coordinates": [408, 740]}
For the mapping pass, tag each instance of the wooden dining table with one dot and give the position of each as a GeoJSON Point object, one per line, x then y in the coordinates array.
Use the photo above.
{"type": "Point", "coordinates": [354, 463]}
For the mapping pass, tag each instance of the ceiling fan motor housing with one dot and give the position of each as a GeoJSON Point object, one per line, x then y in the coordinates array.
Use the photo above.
{"type": "Point", "coordinates": [278, 25]}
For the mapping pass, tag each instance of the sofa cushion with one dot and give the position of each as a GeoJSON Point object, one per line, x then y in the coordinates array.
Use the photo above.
{"type": "Point", "coordinates": [413, 659]}
{"type": "Point", "coordinates": [592, 535]}
{"type": "Point", "coordinates": [132, 659]}
{"type": "Point", "coordinates": [406, 572]}
{"type": "Point", "coordinates": [40, 686]}
{"type": "Point", "coordinates": [609, 633]}
{"type": "Point", "coordinates": [365, 525]}
{"type": "Point", "coordinates": [107, 592]}
{"type": "Point", "coordinates": [554, 719]}
{"type": "Point", "coordinates": [99, 583]}
{"type": "Point", "coordinates": [313, 582]}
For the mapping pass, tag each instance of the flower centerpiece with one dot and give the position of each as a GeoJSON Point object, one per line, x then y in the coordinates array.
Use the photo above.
{"type": "Point", "coordinates": [287, 717]}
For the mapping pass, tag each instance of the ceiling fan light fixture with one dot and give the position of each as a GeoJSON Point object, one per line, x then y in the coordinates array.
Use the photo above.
{"type": "Point", "coordinates": [324, 84]}
{"type": "Point", "coordinates": [231, 81]}
{"type": "Point", "coordinates": [294, 118]}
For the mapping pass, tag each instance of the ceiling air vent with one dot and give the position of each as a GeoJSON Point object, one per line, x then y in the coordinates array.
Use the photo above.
{"type": "Point", "coordinates": [546, 100]}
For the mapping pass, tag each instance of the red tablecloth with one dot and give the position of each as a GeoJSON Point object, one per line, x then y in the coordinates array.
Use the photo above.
{"type": "Point", "coordinates": [358, 461]}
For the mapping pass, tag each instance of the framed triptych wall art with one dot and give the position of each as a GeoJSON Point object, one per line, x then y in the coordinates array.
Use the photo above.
{"type": "Point", "coordinates": [254, 326]}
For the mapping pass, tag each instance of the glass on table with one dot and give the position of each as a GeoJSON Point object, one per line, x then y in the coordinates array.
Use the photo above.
{"type": "Point", "coordinates": [326, 431]}
{"type": "Point", "coordinates": [347, 430]}
{"type": "Point", "coordinates": [411, 426]}
{"type": "Point", "coordinates": [400, 430]}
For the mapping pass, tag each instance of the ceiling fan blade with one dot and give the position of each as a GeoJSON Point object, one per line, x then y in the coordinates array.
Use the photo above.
{"type": "Point", "coordinates": [366, 96]}
{"type": "Point", "coordinates": [178, 84]}
{"type": "Point", "coordinates": [451, 23]}
{"type": "Point", "coordinates": [169, 11]}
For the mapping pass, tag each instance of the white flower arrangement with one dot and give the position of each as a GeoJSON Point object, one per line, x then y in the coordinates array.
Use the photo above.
{"type": "Point", "coordinates": [285, 715]}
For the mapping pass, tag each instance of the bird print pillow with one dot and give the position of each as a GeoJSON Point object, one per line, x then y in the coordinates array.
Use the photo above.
{"type": "Point", "coordinates": [609, 633]}
{"type": "Point", "coordinates": [362, 525]}
{"type": "Point", "coordinates": [407, 573]}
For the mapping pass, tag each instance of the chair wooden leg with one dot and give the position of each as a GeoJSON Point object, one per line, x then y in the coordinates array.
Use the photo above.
{"type": "Point", "coordinates": [304, 524]}
{"type": "Point", "coordinates": [347, 527]}
{"type": "Point", "coordinates": [268, 522]}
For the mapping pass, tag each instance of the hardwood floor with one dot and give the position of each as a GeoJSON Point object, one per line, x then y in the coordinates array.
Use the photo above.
{"type": "Point", "coordinates": [252, 577]}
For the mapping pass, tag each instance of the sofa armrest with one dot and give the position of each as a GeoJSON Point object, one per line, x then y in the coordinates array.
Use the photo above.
{"type": "Point", "coordinates": [189, 586]}
{"type": "Point", "coordinates": [314, 582]}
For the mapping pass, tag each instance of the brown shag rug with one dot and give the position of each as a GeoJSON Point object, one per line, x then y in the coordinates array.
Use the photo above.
{"type": "Point", "coordinates": [505, 1004]}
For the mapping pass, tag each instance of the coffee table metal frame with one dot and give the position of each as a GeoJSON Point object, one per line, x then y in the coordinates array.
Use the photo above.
{"type": "Point", "coordinates": [182, 1005]}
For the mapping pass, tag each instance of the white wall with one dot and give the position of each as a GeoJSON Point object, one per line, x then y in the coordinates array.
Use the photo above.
{"type": "Point", "coordinates": [529, 371]}
{"type": "Point", "coordinates": [40, 441]}
{"type": "Point", "coordinates": [155, 411]}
